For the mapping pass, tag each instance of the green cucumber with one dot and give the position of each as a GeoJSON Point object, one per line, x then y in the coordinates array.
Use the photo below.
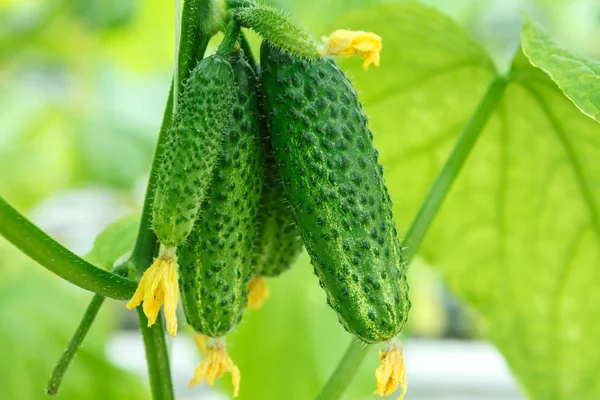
{"type": "Point", "coordinates": [215, 262]}
{"type": "Point", "coordinates": [334, 182]}
{"type": "Point", "coordinates": [191, 149]}
{"type": "Point", "coordinates": [278, 240]}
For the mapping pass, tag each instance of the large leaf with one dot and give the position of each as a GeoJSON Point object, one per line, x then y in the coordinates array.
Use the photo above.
{"type": "Point", "coordinates": [39, 313]}
{"type": "Point", "coordinates": [577, 76]}
{"type": "Point", "coordinates": [518, 238]}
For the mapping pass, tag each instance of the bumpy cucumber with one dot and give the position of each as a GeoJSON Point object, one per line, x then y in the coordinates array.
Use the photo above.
{"type": "Point", "coordinates": [215, 262]}
{"type": "Point", "coordinates": [191, 149]}
{"type": "Point", "coordinates": [278, 239]}
{"type": "Point", "coordinates": [335, 186]}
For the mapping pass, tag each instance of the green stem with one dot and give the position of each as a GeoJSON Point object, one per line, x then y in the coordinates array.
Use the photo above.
{"type": "Point", "coordinates": [197, 27]}
{"type": "Point", "coordinates": [74, 344]}
{"type": "Point", "coordinates": [32, 241]}
{"type": "Point", "coordinates": [438, 191]}
{"type": "Point", "coordinates": [248, 56]}
{"type": "Point", "coordinates": [230, 40]}
{"type": "Point", "coordinates": [345, 371]}
{"type": "Point", "coordinates": [147, 245]}
{"type": "Point", "coordinates": [451, 168]}
{"type": "Point", "coordinates": [157, 357]}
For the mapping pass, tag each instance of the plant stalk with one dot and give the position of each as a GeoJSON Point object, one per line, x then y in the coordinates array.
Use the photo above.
{"type": "Point", "coordinates": [32, 241]}
{"type": "Point", "coordinates": [157, 357]}
{"type": "Point", "coordinates": [230, 40]}
{"type": "Point", "coordinates": [344, 371]}
{"type": "Point", "coordinates": [438, 191]}
{"type": "Point", "coordinates": [80, 334]}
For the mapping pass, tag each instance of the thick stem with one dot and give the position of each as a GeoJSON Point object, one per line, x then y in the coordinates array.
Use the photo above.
{"type": "Point", "coordinates": [74, 344]}
{"type": "Point", "coordinates": [157, 357]}
{"type": "Point", "coordinates": [32, 241]}
{"type": "Point", "coordinates": [344, 371]}
{"type": "Point", "coordinates": [438, 191]}
{"type": "Point", "coordinates": [147, 245]}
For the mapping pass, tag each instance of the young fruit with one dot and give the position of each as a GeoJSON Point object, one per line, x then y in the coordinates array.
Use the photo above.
{"type": "Point", "coordinates": [278, 240]}
{"type": "Point", "coordinates": [215, 262]}
{"type": "Point", "coordinates": [336, 189]}
{"type": "Point", "coordinates": [192, 149]}
{"type": "Point", "coordinates": [190, 152]}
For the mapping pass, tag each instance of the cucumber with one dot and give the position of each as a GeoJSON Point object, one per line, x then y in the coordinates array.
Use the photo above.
{"type": "Point", "coordinates": [191, 149]}
{"type": "Point", "coordinates": [278, 240]}
{"type": "Point", "coordinates": [215, 262]}
{"type": "Point", "coordinates": [189, 155]}
{"type": "Point", "coordinates": [335, 185]}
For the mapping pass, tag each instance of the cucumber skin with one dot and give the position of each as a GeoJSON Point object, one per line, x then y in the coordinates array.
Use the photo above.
{"type": "Point", "coordinates": [335, 185]}
{"type": "Point", "coordinates": [215, 262]}
{"type": "Point", "coordinates": [278, 242]}
{"type": "Point", "coordinates": [191, 149]}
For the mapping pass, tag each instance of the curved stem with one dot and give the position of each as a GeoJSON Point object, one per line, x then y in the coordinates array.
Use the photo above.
{"type": "Point", "coordinates": [80, 334]}
{"type": "Point", "coordinates": [32, 241]}
{"type": "Point", "coordinates": [344, 371]}
{"type": "Point", "coordinates": [230, 40]}
{"type": "Point", "coordinates": [157, 357]}
{"type": "Point", "coordinates": [438, 191]}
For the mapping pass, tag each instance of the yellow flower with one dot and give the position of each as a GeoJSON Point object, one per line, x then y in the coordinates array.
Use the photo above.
{"type": "Point", "coordinates": [214, 365]}
{"type": "Point", "coordinates": [159, 286]}
{"type": "Point", "coordinates": [347, 43]}
{"type": "Point", "coordinates": [258, 292]}
{"type": "Point", "coordinates": [391, 372]}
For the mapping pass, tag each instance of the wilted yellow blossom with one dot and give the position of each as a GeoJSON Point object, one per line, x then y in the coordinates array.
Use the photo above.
{"type": "Point", "coordinates": [347, 43]}
{"type": "Point", "coordinates": [215, 364]}
{"type": "Point", "coordinates": [391, 372]}
{"type": "Point", "coordinates": [201, 342]}
{"type": "Point", "coordinates": [258, 292]}
{"type": "Point", "coordinates": [159, 286]}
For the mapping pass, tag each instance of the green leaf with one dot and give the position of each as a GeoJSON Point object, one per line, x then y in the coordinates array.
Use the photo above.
{"type": "Point", "coordinates": [577, 76]}
{"type": "Point", "coordinates": [519, 235]}
{"type": "Point", "coordinates": [38, 317]}
{"type": "Point", "coordinates": [114, 241]}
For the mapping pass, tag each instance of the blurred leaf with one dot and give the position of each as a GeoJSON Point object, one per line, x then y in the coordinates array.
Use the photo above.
{"type": "Point", "coordinates": [105, 14]}
{"type": "Point", "coordinates": [518, 238]}
{"type": "Point", "coordinates": [114, 241]}
{"type": "Point", "coordinates": [577, 76]}
{"type": "Point", "coordinates": [39, 315]}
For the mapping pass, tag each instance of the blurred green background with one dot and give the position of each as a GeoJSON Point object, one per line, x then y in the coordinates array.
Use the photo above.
{"type": "Point", "coordinates": [82, 90]}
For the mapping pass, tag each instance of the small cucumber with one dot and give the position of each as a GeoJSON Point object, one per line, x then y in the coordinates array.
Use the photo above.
{"type": "Point", "coordinates": [215, 262]}
{"type": "Point", "coordinates": [334, 182]}
{"type": "Point", "coordinates": [278, 239]}
{"type": "Point", "coordinates": [191, 149]}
